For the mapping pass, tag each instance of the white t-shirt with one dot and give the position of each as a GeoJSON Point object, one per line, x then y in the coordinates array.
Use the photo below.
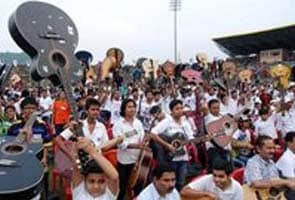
{"type": "Point", "coordinates": [206, 183]}
{"type": "Point", "coordinates": [125, 155]}
{"type": "Point", "coordinates": [170, 127]}
{"type": "Point", "coordinates": [98, 136]}
{"type": "Point", "coordinates": [45, 103]}
{"type": "Point", "coordinates": [80, 193]}
{"type": "Point", "coordinates": [266, 127]}
{"type": "Point", "coordinates": [243, 136]}
{"type": "Point", "coordinates": [145, 114]}
{"type": "Point", "coordinates": [286, 164]}
{"type": "Point", "coordinates": [150, 193]}
{"type": "Point", "coordinates": [285, 123]}
{"type": "Point", "coordinates": [114, 107]}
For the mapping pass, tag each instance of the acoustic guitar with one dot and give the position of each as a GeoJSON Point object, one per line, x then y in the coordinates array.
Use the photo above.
{"type": "Point", "coordinates": [226, 124]}
{"type": "Point", "coordinates": [178, 141]}
{"type": "Point", "coordinates": [49, 37]}
{"type": "Point", "coordinates": [263, 194]}
{"type": "Point", "coordinates": [21, 171]}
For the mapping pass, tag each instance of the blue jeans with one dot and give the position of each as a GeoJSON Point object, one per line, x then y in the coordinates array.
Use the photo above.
{"type": "Point", "coordinates": [180, 168]}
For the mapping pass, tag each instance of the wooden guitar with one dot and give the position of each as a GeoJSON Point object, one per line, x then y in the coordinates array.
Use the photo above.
{"type": "Point", "coordinates": [226, 124]}
{"type": "Point", "coordinates": [263, 194]}
{"type": "Point", "coordinates": [50, 37]}
{"type": "Point", "coordinates": [21, 171]}
{"type": "Point", "coordinates": [140, 172]}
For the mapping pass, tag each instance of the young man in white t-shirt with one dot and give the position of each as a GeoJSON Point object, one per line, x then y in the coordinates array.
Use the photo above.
{"type": "Point", "coordinates": [92, 129]}
{"type": "Point", "coordinates": [163, 185]}
{"type": "Point", "coordinates": [100, 179]}
{"type": "Point", "coordinates": [218, 185]}
{"type": "Point", "coordinates": [168, 128]}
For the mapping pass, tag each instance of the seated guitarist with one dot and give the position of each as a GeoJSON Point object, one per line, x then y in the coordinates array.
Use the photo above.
{"type": "Point", "coordinates": [261, 172]}
{"type": "Point", "coordinates": [169, 127]}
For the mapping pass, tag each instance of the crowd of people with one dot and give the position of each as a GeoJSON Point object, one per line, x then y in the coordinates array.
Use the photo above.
{"type": "Point", "coordinates": [138, 117]}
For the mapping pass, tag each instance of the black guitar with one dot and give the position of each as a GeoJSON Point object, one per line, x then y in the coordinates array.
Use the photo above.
{"type": "Point", "coordinates": [178, 141]}
{"type": "Point", "coordinates": [5, 71]}
{"type": "Point", "coordinates": [21, 172]}
{"type": "Point", "coordinates": [49, 37]}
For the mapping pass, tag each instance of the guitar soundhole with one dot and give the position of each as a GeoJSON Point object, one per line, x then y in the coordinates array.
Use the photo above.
{"type": "Point", "coordinates": [227, 125]}
{"type": "Point", "coordinates": [59, 59]}
{"type": "Point", "coordinates": [13, 149]}
{"type": "Point", "coordinates": [274, 191]}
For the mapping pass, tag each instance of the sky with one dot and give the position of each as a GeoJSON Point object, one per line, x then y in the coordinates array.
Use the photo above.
{"type": "Point", "coordinates": [145, 28]}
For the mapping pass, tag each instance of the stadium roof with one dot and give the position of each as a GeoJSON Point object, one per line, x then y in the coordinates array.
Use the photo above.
{"type": "Point", "coordinates": [252, 43]}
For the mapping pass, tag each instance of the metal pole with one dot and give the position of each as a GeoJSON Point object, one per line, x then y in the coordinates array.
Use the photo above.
{"type": "Point", "coordinates": [175, 36]}
{"type": "Point", "coordinates": [175, 6]}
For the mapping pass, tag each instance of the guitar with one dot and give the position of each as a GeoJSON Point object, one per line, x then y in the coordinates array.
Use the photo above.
{"type": "Point", "coordinates": [50, 37]}
{"type": "Point", "coordinates": [227, 125]}
{"type": "Point", "coordinates": [18, 161]}
{"type": "Point", "coordinates": [263, 194]}
{"type": "Point", "coordinates": [85, 59]}
{"type": "Point", "coordinates": [5, 71]}
{"type": "Point", "coordinates": [178, 141]}
{"type": "Point", "coordinates": [140, 172]}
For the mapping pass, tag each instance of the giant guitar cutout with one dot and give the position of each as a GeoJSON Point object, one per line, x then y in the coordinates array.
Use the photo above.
{"type": "Point", "coordinates": [49, 37]}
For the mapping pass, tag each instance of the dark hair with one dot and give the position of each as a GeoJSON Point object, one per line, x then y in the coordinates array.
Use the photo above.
{"type": "Point", "coordinates": [92, 167]}
{"type": "Point", "coordinates": [263, 111]}
{"type": "Point", "coordinates": [134, 90]}
{"type": "Point", "coordinates": [212, 101]}
{"type": "Point", "coordinates": [155, 109]}
{"type": "Point", "coordinates": [124, 106]}
{"type": "Point", "coordinates": [91, 102]}
{"type": "Point", "coordinates": [173, 103]}
{"type": "Point", "coordinates": [222, 164]}
{"type": "Point", "coordinates": [8, 107]}
{"type": "Point", "coordinates": [148, 91]}
{"type": "Point", "coordinates": [25, 93]}
{"type": "Point", "coordinates": [260, 140]}
{"type": "Point", "coordinates": [28, 100]}
{"type": "Point", "coordinates": [290, 136]}
{"type": "Point", "coordinates": [161, 169]}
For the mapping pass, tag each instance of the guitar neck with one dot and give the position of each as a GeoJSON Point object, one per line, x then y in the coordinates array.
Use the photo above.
{"type": "Point", "coordinates": [67, 88]}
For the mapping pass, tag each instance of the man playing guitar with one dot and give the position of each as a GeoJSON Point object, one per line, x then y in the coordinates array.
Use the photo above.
{"type": "Point", "coordinates": [261, 172]}
{"type": "Point", "coordinates": [168, 128]}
